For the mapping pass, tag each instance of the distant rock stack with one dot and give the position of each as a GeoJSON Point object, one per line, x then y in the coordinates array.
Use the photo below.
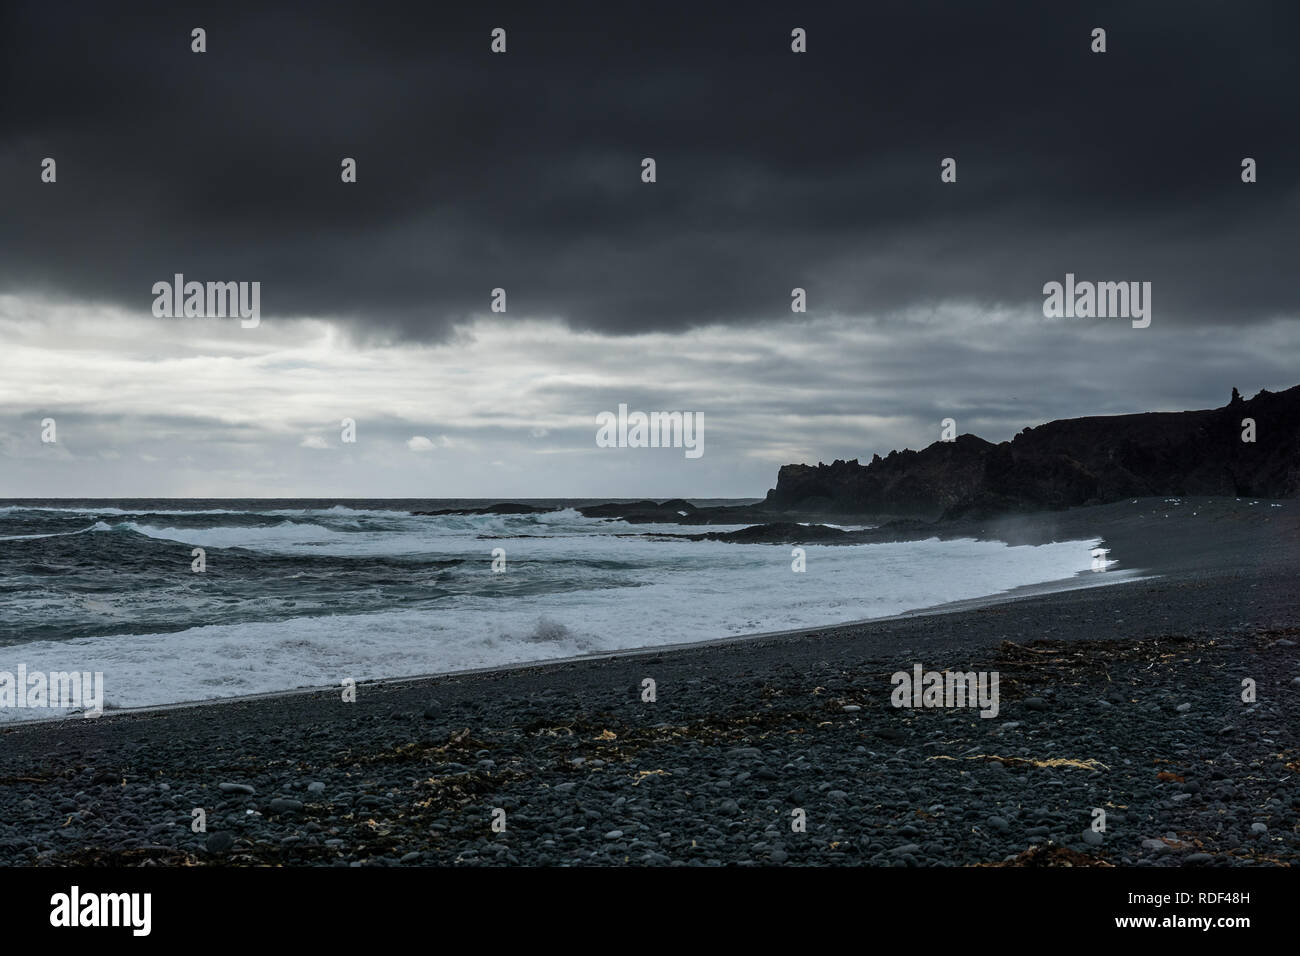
{"type": "Point", "coordinates": [1075, 461]}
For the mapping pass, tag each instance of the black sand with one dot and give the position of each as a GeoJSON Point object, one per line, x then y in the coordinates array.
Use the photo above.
{"type": "Point", "coordinates": [1125, 698]}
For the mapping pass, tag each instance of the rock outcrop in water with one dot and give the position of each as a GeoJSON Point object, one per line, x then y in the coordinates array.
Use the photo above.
{"type": "Point", "coordinates": [1074, 461]}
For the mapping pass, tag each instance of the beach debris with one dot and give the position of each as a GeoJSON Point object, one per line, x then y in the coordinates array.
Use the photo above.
{"type": "Point", "coordinates": [1050, 763]}
{"type": "Point", "coordinates": [642, 774]}
{"type": "Point", "coordinates": [1048, 855]}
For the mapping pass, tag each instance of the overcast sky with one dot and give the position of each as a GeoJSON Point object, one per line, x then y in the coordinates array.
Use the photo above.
{"type": "Point", "coordinates": [523, 171]}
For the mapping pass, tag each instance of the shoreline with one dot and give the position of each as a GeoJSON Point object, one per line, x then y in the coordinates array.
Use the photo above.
{"type": "Point", "coordinates": [950, 607]}
{"type": "Point", "coordinates": [1120, 698]}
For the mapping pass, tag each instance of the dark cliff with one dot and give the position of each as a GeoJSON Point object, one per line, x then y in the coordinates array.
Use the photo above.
{"type": "Point", "coordinates": [1073, 461]}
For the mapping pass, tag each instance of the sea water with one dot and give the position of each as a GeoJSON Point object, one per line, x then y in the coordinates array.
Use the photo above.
{"type": "Point", "coordinates": [310, 593]}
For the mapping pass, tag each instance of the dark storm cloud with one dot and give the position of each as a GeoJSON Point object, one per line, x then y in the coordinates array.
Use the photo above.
{"type": "Point", "coordinates": [775, 170]}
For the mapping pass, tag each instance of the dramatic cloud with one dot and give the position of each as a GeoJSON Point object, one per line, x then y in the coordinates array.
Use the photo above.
{"type": "Point", "coordinates": [204, 408]}
{"type": "Point", "coordinates": [522, 172]}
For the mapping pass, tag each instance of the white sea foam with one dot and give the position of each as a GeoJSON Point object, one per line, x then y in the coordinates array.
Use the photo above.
{"type": "Point", "coordinates": [336, 509]}
{"type": "Point", "coordinates": [418, 534]}
{"type": "Point", "coordinates": [663, 592]}
{"type": "Point", "coordinates": [97, 526]}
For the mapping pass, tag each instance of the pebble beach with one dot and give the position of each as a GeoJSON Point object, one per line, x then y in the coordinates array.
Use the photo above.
{"type": "Point", "coordinates": [1163, 706]}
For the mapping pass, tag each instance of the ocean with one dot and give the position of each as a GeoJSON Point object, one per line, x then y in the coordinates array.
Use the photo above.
{"type": "Point", "coordinates": [305, 593]}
